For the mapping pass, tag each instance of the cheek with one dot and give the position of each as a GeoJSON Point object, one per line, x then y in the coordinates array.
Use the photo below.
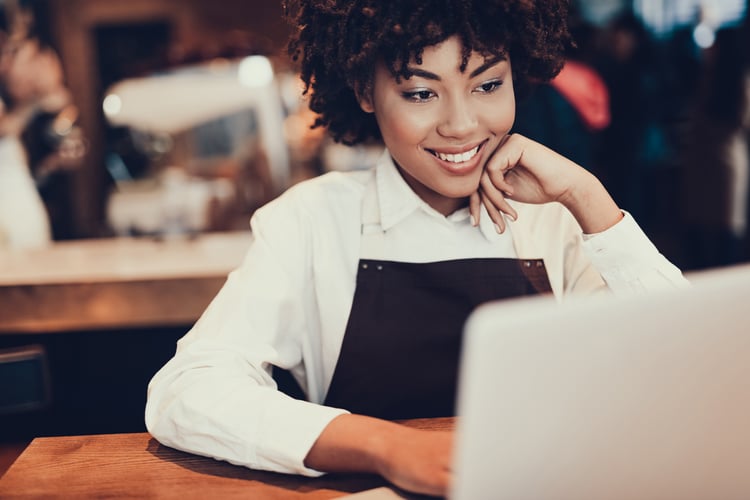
{"type": "Point", "coordinates": [402, 127]}
{"type": "Point", "coordinates": [503, 117]}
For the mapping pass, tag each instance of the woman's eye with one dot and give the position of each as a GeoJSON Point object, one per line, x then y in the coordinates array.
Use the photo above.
{"type": "Point", "coordinates": [489, 87]}
{"type": "Point", "coordinates": [419, 95]}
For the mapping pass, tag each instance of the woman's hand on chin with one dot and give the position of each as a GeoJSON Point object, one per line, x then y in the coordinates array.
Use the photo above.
{"type": "Point", "coordinates": [523, 170]}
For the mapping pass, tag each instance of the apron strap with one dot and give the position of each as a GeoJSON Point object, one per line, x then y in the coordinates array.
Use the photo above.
{"type": "Point", "coordinates": [372, 241]}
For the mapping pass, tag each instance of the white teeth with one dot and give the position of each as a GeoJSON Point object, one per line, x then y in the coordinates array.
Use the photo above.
{"type": "Point", "coordinates": [458, 158]}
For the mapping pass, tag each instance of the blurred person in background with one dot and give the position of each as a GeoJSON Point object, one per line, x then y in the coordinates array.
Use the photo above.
{"type": "Point", "coordinates": [716, 163]}
{"type": "Point", "coordinates": [38, 136]}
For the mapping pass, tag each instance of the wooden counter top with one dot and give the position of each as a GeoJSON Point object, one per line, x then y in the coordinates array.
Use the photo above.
{"type": "Point", "coordinates": [137, 466]}
{"type": "Point", "coordinates": [115, 283]}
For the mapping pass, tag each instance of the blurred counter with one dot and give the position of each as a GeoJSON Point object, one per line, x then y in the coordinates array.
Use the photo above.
{"type": "Point", "coordinates": [115, 283]}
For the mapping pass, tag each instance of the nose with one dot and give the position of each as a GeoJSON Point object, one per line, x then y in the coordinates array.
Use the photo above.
{"type": "Point", "coordinates": [459, 119]}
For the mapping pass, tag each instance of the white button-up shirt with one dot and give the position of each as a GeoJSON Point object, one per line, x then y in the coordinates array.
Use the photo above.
{"type": "Point", "coordinates": [288, 304]}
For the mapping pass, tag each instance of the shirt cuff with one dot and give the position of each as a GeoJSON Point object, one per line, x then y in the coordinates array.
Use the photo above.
{"type": "Point", "coordinates": [622, 253]}
{"type": "Point", "coordinates": [625, 238]}
{"type": "Point", "coordinates": [290, 428]}
{"type": "Point", "coordinates": [628, 261]}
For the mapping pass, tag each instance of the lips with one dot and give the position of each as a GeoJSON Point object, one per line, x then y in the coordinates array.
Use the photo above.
{"type": "Point", "coordinates": [458, 157]}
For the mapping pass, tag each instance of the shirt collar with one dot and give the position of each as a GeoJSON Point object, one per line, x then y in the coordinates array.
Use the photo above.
{"type": "Point", "coordinates": [397, 201]}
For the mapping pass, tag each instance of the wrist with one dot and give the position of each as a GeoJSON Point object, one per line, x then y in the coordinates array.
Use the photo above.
{"type": "Point", "coordinates": [592, 205]}
{"type": "Point", "coordinates": [385, 445]}
{"type": "Point", "coordinates": [354, 443]}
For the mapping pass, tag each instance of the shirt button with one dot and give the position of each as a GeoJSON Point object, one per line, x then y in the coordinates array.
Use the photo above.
{"type": "Point", "coordinates": [364, 266]}
{"type": "Point", "coordinates": [527, 263]}
{"type": "Point", "coordinates": [380, 268]}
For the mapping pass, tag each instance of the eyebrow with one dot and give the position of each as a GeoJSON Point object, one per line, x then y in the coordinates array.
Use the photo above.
{"type": "Point", "coordinates": [481, 69]}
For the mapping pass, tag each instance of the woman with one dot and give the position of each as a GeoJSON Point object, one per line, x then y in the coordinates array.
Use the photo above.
{"type": "Point", "coordinates": [359, 283]}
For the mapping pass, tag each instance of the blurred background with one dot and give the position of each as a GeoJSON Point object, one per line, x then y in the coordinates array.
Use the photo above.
{"type": "Point", "coordinates": [173, 120]}
{"type": "Point", "coordinates": [185, 116]}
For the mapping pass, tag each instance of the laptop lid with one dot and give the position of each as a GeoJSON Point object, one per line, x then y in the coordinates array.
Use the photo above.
{"type": "Point", "coordinates": [603, 398]}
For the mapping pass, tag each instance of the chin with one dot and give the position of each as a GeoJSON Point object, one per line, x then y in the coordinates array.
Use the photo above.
{"type": "Point", "coordinates": [460, 192]}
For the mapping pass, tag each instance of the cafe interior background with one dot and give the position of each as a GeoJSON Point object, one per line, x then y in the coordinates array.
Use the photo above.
{"type": "Point", "coordinates": [183, 116]}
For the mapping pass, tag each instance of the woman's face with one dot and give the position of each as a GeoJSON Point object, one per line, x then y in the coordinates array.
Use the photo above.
{"type": "Point", "coordinates": [441, 125]}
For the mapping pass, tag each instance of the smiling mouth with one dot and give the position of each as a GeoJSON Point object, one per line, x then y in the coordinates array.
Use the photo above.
{"type": "Point", "coordinates": [457, 157]}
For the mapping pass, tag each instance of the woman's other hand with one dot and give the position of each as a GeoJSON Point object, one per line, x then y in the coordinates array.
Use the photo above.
{"type": "Point", "coordinates": [523, 170]}
{"type": "Point", "coordinates": [415, 460]}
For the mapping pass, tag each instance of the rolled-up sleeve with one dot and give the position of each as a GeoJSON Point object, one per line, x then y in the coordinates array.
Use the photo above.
{"type": "Point", "coordinates": [216, 396]}
{"type": "Point", "coordinates": [629, 262]}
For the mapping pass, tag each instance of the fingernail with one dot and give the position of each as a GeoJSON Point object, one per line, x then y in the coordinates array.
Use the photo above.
{"type": "Point", "coordinates": [473, 221]}
{"type": "Point", "coordinates": [498, 229]}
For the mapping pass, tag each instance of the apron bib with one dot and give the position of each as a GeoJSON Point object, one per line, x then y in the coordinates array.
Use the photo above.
{"type": "Point", "coordinates": [401, 348]}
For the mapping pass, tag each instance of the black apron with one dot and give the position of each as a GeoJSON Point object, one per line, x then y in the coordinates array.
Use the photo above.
{"type": "Point", "coordinates": [400, 353]}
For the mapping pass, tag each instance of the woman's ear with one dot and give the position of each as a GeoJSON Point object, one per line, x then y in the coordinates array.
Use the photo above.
{"type": "Point", "coordinates": [364, 98]}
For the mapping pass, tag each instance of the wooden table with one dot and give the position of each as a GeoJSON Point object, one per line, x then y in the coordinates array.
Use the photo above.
{"type": "Point", "coordinates": [114, 283]}
{"type": "Point", "coordinates": [137, 466]}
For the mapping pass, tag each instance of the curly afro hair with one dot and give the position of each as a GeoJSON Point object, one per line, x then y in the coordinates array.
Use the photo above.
{"type": "Point", "coordinates": [338, 44]}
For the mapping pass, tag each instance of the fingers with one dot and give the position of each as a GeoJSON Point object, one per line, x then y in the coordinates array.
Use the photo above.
{"type": "Point", "coordinates": [497, 177]}
{"type": "Point", "coordinates": [474, 208]}
{"type": "Point", "coordinates": [495, 203]}
{"type": "Point", "coordinates": [494, 187]}
{"type": "Point", "coordinates": [503, 159]}
{"type": "Point", "coordinates": [494, 214]}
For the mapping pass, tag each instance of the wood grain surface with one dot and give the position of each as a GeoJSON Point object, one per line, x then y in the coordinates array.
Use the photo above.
{"type": "Point", "coordinates": [137, 466]}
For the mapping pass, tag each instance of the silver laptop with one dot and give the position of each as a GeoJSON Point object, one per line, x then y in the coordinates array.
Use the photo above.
{"type": "Point", "coordinates": [638, 398]}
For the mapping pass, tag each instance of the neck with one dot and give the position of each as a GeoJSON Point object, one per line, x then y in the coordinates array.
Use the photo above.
{"type": "Point", "coordinates": [440, 203]}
